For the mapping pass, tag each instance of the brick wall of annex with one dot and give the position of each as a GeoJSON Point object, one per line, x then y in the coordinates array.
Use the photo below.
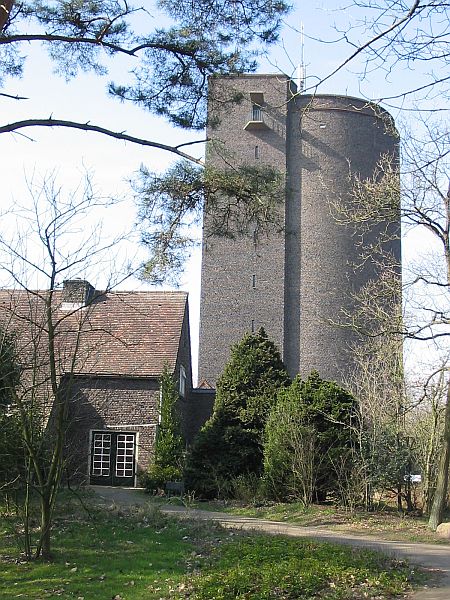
{"type": "Point", "coordinates": [184, 359]}
{"type": "Point", "coordinates": [111, 403]}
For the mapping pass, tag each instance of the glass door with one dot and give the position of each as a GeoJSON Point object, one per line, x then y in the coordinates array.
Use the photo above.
{"type": "Point", "coordinates": [113, 458]}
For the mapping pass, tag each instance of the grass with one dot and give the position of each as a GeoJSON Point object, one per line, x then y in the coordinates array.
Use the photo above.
{"type": "Point", "coordinates": [102, 556]}
{"type": "Point", "coordinates": [387, 524]}
{"type": "Point", "coordinates": [141, 554]}
{"type": "Point", "coordinates": [264, 568]}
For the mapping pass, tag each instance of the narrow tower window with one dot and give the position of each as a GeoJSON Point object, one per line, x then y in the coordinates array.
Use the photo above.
{"type": "Point", "coordinates": [253, 326]}
{"type": "Point", "coordinates": [256, 152]}
{"type": "Point", "coordinates": [253, 281]}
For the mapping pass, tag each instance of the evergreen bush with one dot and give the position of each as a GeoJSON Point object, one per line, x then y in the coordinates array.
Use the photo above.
{"type": "Point", "coordinates": [308, 435]}
{"type": "Point", "coordinates": [168, 456]}
{"type": "Point", "coordinates": [230, 444]}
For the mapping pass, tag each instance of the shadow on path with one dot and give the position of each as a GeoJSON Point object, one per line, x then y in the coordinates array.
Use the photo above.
{"type": "Point", "coordinates": [430, 556]}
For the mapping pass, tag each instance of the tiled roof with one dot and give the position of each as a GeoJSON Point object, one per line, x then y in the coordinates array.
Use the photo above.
{"type": "Point", "coordinates": [120, 333]}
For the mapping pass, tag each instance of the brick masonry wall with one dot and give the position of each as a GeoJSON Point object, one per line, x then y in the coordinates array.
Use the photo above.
{"type": "Point", "coordinates": [305, 276]}
{"type": "Point", "coordinates": [243, 281]}
{"type": "Point", "coordinates": [184, 359]}
{"type": "Point", "coordinates": [129, 405]}
{"type": "Point", "coordinates": [201, 404]}
{"type": "Point", "coordinates": [338, 135]}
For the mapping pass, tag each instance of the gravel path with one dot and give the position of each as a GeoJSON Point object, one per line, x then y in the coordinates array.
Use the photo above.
{"type": "Point", "coordinates": [430, 556]}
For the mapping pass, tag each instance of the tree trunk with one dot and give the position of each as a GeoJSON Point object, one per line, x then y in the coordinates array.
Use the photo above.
{"type": "Point", "coordinates": [428, 484]}
{"type": "Point", "coordinates": [26, 517]}
{"type": "Point", "coordinates": [5, 9]}
{"type": "Point", "coordinates": [440, 495]}
{"type": "Point", "coordinates": [43, 548]}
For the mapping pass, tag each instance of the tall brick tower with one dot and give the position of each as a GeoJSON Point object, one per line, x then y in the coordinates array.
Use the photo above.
{"type": "Point", "coordinates": [294, 283]}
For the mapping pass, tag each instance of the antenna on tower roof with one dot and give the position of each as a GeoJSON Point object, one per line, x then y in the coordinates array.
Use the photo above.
{"type": "Point", "coordinates": [301, 69]}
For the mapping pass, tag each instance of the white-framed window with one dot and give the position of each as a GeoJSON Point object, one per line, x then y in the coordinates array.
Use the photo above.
{"type": "Point", "coordinates": [101, 454]}
{"type": "Point", "coordinates": [125, 455]}
{"type": "Point", "coordinates": [182, 382]}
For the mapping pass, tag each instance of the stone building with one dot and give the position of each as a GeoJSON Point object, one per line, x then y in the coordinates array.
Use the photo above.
{"type": "Point", "coordinates": [296, 282]}
{"type": "Point", "coordinates": [111, 349]}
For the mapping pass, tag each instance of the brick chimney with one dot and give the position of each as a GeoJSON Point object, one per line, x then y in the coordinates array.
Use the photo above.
{"type": "Point", "coordinates": [77, 293]}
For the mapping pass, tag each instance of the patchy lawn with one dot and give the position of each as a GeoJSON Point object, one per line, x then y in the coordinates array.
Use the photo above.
{"type": "Point", "coordinates": [262, 567]}
{"type": "Point", "coordinates": [107, 555]}
{"type": "Point", "coordinates": [387, 524]}
{"type": "Point", "coordinates": [142, 555]}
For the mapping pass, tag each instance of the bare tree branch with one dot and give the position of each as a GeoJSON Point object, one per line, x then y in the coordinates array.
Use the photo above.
{"type": "Point", "coordinates": [396, 25]}
{"type": "Point", "coordinates": [119, 135]}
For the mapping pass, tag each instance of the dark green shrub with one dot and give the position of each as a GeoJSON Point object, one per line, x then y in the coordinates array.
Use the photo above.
{"type": "Point", "coordinates": [12, 446]}
{"type": "Point", "coordinates": [221, 451]}
{"type": "Point", "coordinates": [230, 444]}
{"type": "Point", "coordinates": [250, 381]}
{"type": "Point", "coordinates": [290, 453]}
{"type": "Point", "coordinates": [156, 478]}
{"type": "Point", "coordinates": [308, 437]}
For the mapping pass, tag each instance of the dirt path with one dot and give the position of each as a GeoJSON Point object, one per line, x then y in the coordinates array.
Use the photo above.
{"type": "Point", "coordinates": [427, 555]}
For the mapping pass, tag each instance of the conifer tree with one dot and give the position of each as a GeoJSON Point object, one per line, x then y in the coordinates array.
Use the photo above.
{"type": "Point", "coordinates": [169, 446]}
{"type": "Point", "coordinates": [230, 443]}
{"type": "Point", "coordinates": [308, 437]}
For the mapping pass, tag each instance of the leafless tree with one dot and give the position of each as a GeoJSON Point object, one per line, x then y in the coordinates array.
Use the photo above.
{"type": "Point", "coordinates": [49, 244]}
{"type": "Point", "coordinates": [424, 208]}
{"type": "Point", "coordinates": [388, 36]}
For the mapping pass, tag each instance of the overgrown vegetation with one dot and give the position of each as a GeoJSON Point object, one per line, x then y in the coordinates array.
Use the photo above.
{"type": "Point", "coordinates": [270, 437]}
{"type": "Point", "coordinates": [12, 451]}
{"type": "Point", "coordinates": [308, 441]}
{"type": "Point", "coordinates": [311, 440]}
{"type": "Point", "coordinates": [262, 567]}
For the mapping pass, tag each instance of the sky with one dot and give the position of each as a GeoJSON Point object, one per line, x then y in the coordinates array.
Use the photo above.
{"type": "Point", "coordinates": [27, 158]}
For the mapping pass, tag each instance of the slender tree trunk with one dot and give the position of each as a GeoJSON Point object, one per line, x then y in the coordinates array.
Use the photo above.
{"type": "Point", "coordinates": [26, 516]}
{"type": "Point", "coordinates": [428, 490]}
{"type": "Point", "coordinates": [43, 548]}
{"type": "Point", "coordinates": [440, 495]}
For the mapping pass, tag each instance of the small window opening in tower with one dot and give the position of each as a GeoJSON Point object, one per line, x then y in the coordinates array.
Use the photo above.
{"type": "Point", "coordinates": [256, 152]}
{"type": "Point", "coordinates": [253, 281]}
{"type": "Point", "coordinates": [253, 326]}
{"type": "Point", "coordinates": [256, 113]}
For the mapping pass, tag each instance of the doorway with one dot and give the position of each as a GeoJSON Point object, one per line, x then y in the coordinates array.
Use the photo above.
{"type": "Point", "coordinates": [113, 458]}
